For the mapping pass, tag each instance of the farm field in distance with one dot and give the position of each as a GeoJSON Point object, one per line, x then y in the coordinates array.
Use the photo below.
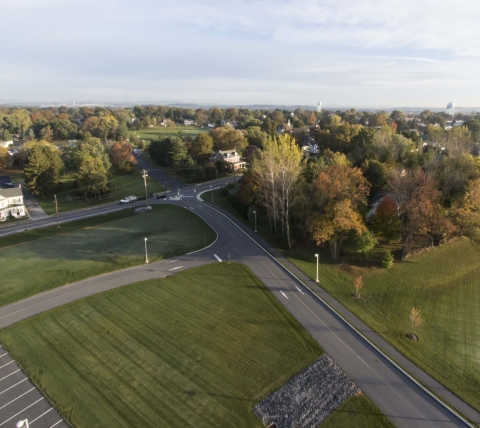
{"type": "Point", "coordinates": [444, 283]}
{"type": "Point", "coordinates": [33, 261]}
{"type": "Point", "coordinates": [199, 349]}
{"type": "Point", "coordinates": [155, 132]}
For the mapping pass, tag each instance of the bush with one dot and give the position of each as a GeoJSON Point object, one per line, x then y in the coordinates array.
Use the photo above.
{"type": "Point", "coordinates": [235, 203]}
{"type": "Point", "coordinates": [224, 192]}
{"type": "Point", "coordinates": [387, 259]}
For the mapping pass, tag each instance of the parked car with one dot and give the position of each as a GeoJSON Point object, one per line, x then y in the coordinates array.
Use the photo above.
{"type": "Point", "coordinates": [128, 199]}
{"type": "Point", "coordinates": [162, 196]}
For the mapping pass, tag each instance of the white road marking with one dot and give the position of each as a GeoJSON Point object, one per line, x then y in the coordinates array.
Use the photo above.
{"type": "Point", "coordinates": [25, 393]}
{"type": "Point", "coordinates": [178, 267]}
{"type": "Point", "coordinates": [173, 261]}
{"type": "Point", "coordinates": [56, 423]}
{"type": "Point", "coordinates": [299, 290]}
{"type": "Point", "coordinates": [284, 295]}
{"type": "Point", "coordinates": [218, 258]}
{"type": "Point", "coordinates": [14, 416]}
{"type": "Point", "coordinates": [13, 386]}
{"type": "Point", "coordinates": [5, 365]}
{"type": "Point", "coordinates": [43, 414]}
{"type": "Point", "coordinates": [191, 208]}
{"type": "Point", "coordinates": [10, 374]}
{"type": "Point", "coordinates": [3, 355]}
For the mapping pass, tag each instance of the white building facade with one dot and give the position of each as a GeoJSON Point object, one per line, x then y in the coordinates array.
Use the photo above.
{"type": "Point", "coordinates": [11, 203]}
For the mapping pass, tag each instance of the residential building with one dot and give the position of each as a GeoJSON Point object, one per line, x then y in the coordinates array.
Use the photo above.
{"type": "Point", "coordinates": [230, 156]}
{"type": "Point", "coordinates": [11, 199]}
{"type": "Point", "coordinates": [6, 144]}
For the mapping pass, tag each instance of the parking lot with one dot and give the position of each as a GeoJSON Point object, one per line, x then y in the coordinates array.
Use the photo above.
{"type": "Point", "coordinates": [20, 399]}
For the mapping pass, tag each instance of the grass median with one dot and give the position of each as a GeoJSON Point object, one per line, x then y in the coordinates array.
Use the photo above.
{"type": "Point", "coordinates": [38, 260]}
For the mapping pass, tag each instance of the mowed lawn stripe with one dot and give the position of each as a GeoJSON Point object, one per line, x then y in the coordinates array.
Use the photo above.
{"type": "Point", "coordinates": [199, 349]}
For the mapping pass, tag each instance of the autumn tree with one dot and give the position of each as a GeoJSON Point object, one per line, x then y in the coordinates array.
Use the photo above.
{"type": "Point", "coordinates": [92, 176]}
{"type": "Point", "coordinates": [415, 321]}
{"type": "Point", "coordinates": [385, 221]}
{"type": "Point", "coordinates": [42, 169]}
{"type": "Point", "coordinates": [121, 156]}
{"type": "Point", "coordinates": [201, 147]}
{"type": "Point", "coordinates": [4, 157]}
{"type": "Point", "coordinates": [228, 138]}
{"type": "Point", "coordinates": [337, 193]}
{"type": "Point", "coordinates": [467, 211]}
{"type": "Point", "coordinates": [358, 284]}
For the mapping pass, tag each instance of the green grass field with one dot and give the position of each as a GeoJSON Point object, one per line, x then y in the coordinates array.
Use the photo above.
{"type": "Point", "coordinates": [155, 132]}
{"type": "Point", "coordinates": [444, 284]}
{"type": "Point", "coordinates": [197, 349]}
{"type": "Point", "coordinates": [32, 262]}
{"type": "Point", "coordinates": [120, 186]}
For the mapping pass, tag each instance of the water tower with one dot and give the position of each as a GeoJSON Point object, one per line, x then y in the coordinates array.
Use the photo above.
{"type": "Point", "coordinates": [319, 107]}
{"type": "Point", "coordinates": [451, 109]}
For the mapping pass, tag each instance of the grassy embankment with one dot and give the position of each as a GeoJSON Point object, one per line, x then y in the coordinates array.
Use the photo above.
{"type": "Point", "coordinates": [199, 349]}
{"type": "Point", "coordinates": [444, 283]}
{"type": "Point", "coordinates": [39, 260]}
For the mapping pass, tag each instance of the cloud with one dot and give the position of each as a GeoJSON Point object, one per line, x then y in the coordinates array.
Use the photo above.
{"type": "Point", "coordinates": [249, 51]}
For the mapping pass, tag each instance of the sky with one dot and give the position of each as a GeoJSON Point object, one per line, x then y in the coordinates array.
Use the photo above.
{"type": "Point", "coordinates": [349, 53]}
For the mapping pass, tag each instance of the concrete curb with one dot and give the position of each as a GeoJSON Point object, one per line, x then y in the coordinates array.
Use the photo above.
{"type": "Point", "coordinates": [360, 334]}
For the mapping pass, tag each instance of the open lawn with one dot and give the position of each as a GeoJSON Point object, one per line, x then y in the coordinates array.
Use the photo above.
{"type": "Point", "coordinates": [197, 349]}
{"type": "Point", "coordinates": [444, 284]}
{"type": "Point", "coordinates": [69, 198]}
{"type": "Point", "coordinates": [155, 132]}
{"type": "Point", "coordinates": [36, 261]}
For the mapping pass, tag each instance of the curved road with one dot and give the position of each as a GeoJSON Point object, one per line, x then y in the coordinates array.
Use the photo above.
{"type": "Point", "coordinates": [394, 393]}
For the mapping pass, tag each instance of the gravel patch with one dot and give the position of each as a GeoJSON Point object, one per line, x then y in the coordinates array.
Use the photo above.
{"type": "Point", "coordinates": [307, 398]}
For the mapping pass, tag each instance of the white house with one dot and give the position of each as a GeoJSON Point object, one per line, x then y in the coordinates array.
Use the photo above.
{"type": "Point", "coordinates": [230, 156]}
{"type": "Point", "coordinates": [188, 122]}
{"type": "Point", "coordinates": [6, 144]}
{"type": "Point", "coordinates": [11, 203]}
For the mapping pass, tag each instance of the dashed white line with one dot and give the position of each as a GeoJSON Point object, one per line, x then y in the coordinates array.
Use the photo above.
{"type": "Point", "coordinates": [178, 267]}
{"type": "Point", "coordinates": [284, 295]}
{"type": "Point", "coordinates": [5, 390]}
{"type": "Point", "coordinates": [20, 396]}
{"type": "Point", "coordinates": [218, 258]}
{"type": "Point", "coordinates": [16, 371]}
{"type": "Point", "coordinates": [43, 414]}
{"type": "Point", "coordinates": [14, 416]}
{"type": "Point", "coordinates": [56, 423]}
{"type": "Point", "coordinates": [3, 355]}
{"type": "Point", "coordinates": [299, 290]}
{"type": "Point", "coordinates": [173, 261]}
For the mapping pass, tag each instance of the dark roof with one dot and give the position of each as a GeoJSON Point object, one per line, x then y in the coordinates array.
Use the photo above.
{"type": "Point", "coordinates": [377, 196]}
{"type": "Point", "coordinates": [5, 182]}
{"type": "Point", "coordinates": [11, 193]}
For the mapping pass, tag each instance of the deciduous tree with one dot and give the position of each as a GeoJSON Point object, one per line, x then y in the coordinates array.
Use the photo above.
{"type": "Point", "coordinates": [42, 169]}
{"type": "Point", "coordinates": [121, 156]}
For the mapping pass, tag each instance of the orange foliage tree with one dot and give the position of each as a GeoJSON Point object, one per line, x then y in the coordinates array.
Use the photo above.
{"type": "Point", "coordinates": [121, 156]}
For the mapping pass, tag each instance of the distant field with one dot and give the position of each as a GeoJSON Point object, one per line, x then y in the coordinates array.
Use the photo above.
{"type": "Point", "coordinates": [36, 261]}
{"type": "Point", "coordinates": [170, 131]}
{"type": "Point", "coordinates": [444, 284]}
{"type": "Point", "coordinates": [198, 349]}
{"type": "Point", "coordinates": [69, 198]}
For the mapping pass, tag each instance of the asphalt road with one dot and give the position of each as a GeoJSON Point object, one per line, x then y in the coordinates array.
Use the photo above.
{"type": "Point", "coordinates": [394, 393]}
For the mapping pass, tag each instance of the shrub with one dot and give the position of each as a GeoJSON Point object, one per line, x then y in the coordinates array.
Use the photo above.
{"type": "Point", "coordinates": [224, 192]}
{"type": "Point", "coordinates": [387, 259]}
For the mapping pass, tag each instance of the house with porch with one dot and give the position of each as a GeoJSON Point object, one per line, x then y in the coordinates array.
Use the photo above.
{"type": "Point", "coordinates": [11, 200]}
{"type": "Point", "coordinates": [231, 156]}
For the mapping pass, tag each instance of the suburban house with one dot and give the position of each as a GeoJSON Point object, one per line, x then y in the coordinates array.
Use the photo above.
{"type": "Point", "coordinates": [11, 199]}
{"type": "Point", "coordinates": [6, 144]}
{"type": "Point", "coordinates": [188, 122]}
{"type": "Point", "coordinates": [230, 156]}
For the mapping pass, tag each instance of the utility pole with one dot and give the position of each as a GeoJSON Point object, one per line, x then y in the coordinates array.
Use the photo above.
{"type": "Point", "coordinates": [56, 210]}
{"type": "Point", "coordinates": [145, 175]}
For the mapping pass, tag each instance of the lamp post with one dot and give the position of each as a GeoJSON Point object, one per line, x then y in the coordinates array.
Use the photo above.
{"type": "Point", "coordinates": [255, 212]}
{"type": "Point", "coordinates": [316, 255]}
{"type": "Point", "coordinates": [216, 185]}
{"type": "Point", "coordinates": [24, 423]}
{"type": "Point", "coordinates": [146, 254]}
{"type": "Point", "coordinates": [145, 175]}
{"type": "Point", "coordinates": [211, 191]}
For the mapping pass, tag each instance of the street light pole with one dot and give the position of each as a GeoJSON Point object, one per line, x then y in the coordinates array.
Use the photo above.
{"type": "Point", "coordinates": [56, 210]}
{"type": "Point", "coordinates": [24, 423]}
{"type": "Point", "coordinates": [211, 191]}
{"type": "Point", "coordinates": [146, 254]}
{"type": "Point", "coordinates": [316, 255]}
{"type": "Point", "coordinates": [216, 185]}
{"type": "Point", "coordinates": [145, 175]}
{"type": "Point", "coordinates": [255, 212]}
